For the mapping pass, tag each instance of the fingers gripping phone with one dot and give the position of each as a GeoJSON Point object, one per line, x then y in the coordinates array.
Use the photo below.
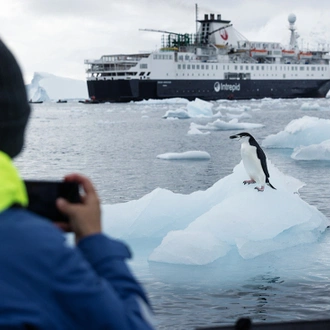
{"type": "Point", "coordinates": [43, 194]}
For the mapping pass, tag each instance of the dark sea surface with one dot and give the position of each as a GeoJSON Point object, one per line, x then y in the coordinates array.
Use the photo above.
{"type": "Point", "coordinates": [117, 146]}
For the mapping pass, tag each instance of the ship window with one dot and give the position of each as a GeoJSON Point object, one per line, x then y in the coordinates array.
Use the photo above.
{"type": "Point", "coordinates": [246, 67]}
{"type": "Point", "coordinates": [307, 68]}
{"type": "Point", "coordinates": [143, 66]}
{"type": "Point", "coordinates": [202, 67]}
{"type": "Point", "coordinates": [296, 68]}
{"type": "Point", "coordinates": [302, 68]}
{"type": "Point", "coordinates": [179, 66]}
{"type": "Point", "coordinates": [181, 58]}
{"type": "Point", "coordinates": [186, 57]}
{"type": "Point", "coordinates": [193, 66]}
{"type": "Point", "coordinates": [252, 67]}
{"type": "Point", "coordinates": [241, 67]}
{"type": "Point", "coordinates": [197, 67]}
{"type": "Point", "coordinates": [318, 68]}
{"type": "Point", "coordinates": [183, 66]}
{"type": "Point", "coordinates": [313, 68]}
{"type": "Point", "coordinates": [257, 68]}
{"type": "Point", "coordinates": [206, 67]}
{"type": "Point", "coordinates": [236, 67]}
{"type": "Point", "coordinates": [262, 67]}
{"type": "Point", "coordinates": [188, 66]}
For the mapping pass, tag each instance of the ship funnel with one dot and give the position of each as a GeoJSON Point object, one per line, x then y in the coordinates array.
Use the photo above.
{"type": "Point", "coordinates": [211, 16]}
{"type": "Point", "coordinates": [206, 17]}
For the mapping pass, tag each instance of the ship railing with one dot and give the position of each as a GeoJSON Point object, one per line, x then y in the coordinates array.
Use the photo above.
{"type": "Point", "coordinates": [118, 58]}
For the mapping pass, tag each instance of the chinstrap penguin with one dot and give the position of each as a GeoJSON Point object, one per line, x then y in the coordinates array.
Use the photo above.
{"type": "Point", "coordinates": [254, 160]}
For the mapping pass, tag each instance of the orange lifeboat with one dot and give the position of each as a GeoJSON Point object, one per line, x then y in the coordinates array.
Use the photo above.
{"type": "Point", "coordinates": [305, 55]}
{"type": "Point", "coordinates": [258, 52]}
{"type": "Point", "coordinates": [288, 53]}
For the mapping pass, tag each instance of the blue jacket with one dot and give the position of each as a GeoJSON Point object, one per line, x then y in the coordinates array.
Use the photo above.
{"type": "Point", "coordinates": [47, 284]}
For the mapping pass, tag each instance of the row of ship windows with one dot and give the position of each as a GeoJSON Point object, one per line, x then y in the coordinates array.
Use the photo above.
{"type": "Point", "coordinates": [252, 67]}
{"type": "Point", "coordinates": [243, 75]}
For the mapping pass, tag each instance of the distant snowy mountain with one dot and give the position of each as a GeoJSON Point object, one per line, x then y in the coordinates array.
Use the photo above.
{"type": "Point", "coordinates": [48, 87]}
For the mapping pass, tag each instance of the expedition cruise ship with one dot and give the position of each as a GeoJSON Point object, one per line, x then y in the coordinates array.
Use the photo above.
{"type": "Point", "coordinates": [215, 63]}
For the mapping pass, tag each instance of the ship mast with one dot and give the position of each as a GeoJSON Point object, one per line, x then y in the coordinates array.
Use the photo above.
{"type": "Point", "coordinates": [196, 11]}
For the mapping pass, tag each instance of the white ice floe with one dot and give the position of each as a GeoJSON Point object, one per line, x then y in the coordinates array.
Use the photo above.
{"type": "Point", "coordinates": [193, 130]}
{"type": "Point", "coordinates": [319, 151]}
{"type": "Point", "coordinates": [220, 125]}
{"type": "Point", "coordinates": [201, 227]}
{"type": "Point", "coordinates": [307, 106]}
{"type": "Point", "coordinates": [300, 132]}
{"type": "Point", "coordinates": [187, 155]}
{"type": "Point", "coordinates": [179, 113]}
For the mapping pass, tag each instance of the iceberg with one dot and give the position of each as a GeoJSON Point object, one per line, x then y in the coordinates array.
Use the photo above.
{"type": "Point", "coordinates": [48, 87]}
{"type": "Point", "coordinates": [204, 226]}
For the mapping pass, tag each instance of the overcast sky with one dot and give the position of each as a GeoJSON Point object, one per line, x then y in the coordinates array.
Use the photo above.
{"type": "Point", "coordinates": [55, 36]}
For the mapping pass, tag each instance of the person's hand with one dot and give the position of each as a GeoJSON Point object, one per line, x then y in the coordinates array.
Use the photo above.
{"type": "Point", "coordinates": [84, 217]}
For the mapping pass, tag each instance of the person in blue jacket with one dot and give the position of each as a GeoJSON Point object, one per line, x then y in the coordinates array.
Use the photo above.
{"type": "Point", "coordinates": [46, 283]}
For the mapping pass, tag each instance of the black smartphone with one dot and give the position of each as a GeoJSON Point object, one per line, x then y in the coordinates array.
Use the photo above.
{"type": "Point", "coordinates": [43, 194]}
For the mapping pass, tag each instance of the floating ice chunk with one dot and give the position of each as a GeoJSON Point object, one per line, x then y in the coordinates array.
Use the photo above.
{"type": "Point", "coordinates": [204, 226]}
{"type": "Point", "coordinates": [253, 223]}
{"type": "Point", "coordinates": [300, 132]}
{"type": "Point", "coordinates": [193, 130]}
{"type": "Point", "coordinates": [180, 114]}
{"type": "Point", "coordinates": [187, 155]}
{"type": "Point", "coordinates": [238, 116]}
{"type": "Point", "coordinates": [200, 108]}
{"type": "Point", "coordinates": [310, 106]}
{"type": "Point", "coordinates": [313, 152]}
{"type": "Point", "coordinates": [233, 124]}
{"type": "Point", "coordinates": [175, 100]}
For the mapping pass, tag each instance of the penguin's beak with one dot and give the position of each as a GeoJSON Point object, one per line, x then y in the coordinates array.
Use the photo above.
{"type": "Point", "coordinates": [234, 136]}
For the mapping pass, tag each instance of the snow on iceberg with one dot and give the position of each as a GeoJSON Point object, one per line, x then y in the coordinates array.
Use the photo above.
{"type": "Point", "coordinates": [220, 125]}
{"type": "Point", "coordinates": [46, 87]}
{"type": "Point", "coordinates": [201, 227]}
{"type": "Point", "coordinates": [300, 132]}
{"type": "Point", "coordinates": [187, 155]}
{"type": "Point", "coordinates": [313, 152]}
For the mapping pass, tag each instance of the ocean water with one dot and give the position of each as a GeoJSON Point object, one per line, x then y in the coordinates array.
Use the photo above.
{"type": "Point", "coordinates": [117, 146]}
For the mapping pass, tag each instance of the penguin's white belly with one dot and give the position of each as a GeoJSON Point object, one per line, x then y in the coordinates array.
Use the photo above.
{"type": "Point", "coordinates": [252, 163]}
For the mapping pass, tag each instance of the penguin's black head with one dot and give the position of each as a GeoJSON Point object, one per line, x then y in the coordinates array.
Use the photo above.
{"type": "Point", "coordinates": [241, 135]}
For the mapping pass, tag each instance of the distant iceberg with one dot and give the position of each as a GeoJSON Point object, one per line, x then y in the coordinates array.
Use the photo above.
{"type": "Point", "coordinates": [48, 87]}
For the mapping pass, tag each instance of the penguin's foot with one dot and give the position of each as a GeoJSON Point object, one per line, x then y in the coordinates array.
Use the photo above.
{"type": "Point", "coordinates": [262, 188]}
{"type": "Point", "coordinates": [249, 181]}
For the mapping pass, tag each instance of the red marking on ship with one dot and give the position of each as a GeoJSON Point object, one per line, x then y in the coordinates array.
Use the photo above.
{"type": "Point", "coordinates": [224, 34]}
